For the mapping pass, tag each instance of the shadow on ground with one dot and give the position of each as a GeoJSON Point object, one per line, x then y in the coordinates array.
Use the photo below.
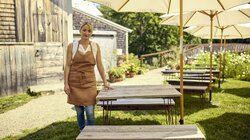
{"type": "Point", "coordinates": [68, 130]}
{"type": "Point", "coordinates": [229, 126]}
{"type": "Point", "coordinates": [241, 92]}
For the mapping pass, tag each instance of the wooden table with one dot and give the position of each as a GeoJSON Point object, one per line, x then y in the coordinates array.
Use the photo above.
{"type": "Point", "coordinates": [141, 132]}
{"type": "Point", "coordinates": [135, 92]}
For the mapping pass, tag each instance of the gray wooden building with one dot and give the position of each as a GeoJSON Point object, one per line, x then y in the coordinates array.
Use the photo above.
{"type": "Point", "coordinates": [33, 35]}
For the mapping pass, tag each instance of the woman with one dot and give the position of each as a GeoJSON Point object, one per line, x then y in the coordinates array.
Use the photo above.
{"type": "Point", "coordinates": [79, 75]}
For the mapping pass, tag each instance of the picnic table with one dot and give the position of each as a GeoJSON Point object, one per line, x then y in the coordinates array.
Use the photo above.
{"type": "Point", "coordinates": [111, 99]}
{"type": "Point", "coordinates": [141, 132]}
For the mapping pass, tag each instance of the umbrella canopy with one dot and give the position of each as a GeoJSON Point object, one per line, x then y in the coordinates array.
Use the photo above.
{"type": "Point", "coordinates": [230, 32]}
{"type": "Point", "coordinates": [171, 6]}
{"type": "Point", "coordinates": [201, 18]}
{"type": "Point", "coordinates": [168, 6]}
{"type": "Point", "coordinates": [213, 18]}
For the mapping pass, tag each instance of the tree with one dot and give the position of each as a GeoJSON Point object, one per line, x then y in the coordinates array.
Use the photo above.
{"type": "Point", "coordinates": [148, 35]}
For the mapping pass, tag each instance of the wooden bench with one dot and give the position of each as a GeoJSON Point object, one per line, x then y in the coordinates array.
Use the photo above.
{"type": "Point", "coordinates": [137, 104]}
{"type": "Point", "coordinates": [141, 132]}
{"type": "Point", "coordinates": [199, 78]}
{"type": "Point", "coordinates": [189, 82]}
{"type": "Point", "coordinates": [140, 104]}
{"type": "Point", "coordinates": [197, 75]}
{"type": "Point", "coordinates": [201, 90]}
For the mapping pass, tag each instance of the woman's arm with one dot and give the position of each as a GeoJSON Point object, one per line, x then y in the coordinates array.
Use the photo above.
{"type": "Point", "coordinates": [101, 68]}
{"type": "Point", "coordinates": [67, 68]}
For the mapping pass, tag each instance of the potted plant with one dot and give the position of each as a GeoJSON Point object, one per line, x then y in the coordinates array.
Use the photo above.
{"type": "Point", "coordinates": [116, 74]}
{"type": "Point", "coordinates": [131, 70]}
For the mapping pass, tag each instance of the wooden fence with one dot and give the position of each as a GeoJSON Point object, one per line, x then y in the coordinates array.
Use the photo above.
{"type": "Point", "coordinates": [156, 54]}
{"type": "Point", "coordinates": [192, 51]}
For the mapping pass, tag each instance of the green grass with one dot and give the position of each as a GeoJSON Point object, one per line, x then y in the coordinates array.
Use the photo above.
{"type": "Point", "coordinates": [226, 118]}
{"type": "Point", "coordinates": [14, 101]}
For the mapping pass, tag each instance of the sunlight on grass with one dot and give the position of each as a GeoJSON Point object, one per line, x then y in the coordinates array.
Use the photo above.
{"type": "Point", "coordinates": [14, 101]}
{"type": "Point", "coordinates": [227, 117]}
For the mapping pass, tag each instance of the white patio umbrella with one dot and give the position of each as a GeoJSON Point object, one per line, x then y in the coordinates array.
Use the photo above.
{"type": "Point", "coordinates": [212, 18]}
{"type": "Point", "coordinates": [171, 6]}
{"type": "Point", "coordinates": [229, 32]}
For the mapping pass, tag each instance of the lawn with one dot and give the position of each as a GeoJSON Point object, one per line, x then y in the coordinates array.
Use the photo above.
{"type": "Point", "coordinates": [227, 117]}
{"type": "Point", "coordinates": [14, 101]}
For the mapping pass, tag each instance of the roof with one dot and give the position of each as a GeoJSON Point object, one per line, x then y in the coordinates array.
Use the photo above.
{"type": "Point", "coordinates": [104, 20]}
{"type": "Point", "coordinates": [86, 6]}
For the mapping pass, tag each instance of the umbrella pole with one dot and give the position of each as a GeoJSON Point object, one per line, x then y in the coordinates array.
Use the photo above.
{"type": "Point", "coordinates": [221, 41]}
{"type": "Point", "coordinates": [211, 52]}
{"type": "Point", "coordinates": [181, 65]}
{"type": "Point", "coordinates": [224, 55]}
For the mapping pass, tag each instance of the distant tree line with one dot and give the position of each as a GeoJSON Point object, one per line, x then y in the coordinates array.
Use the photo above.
{"type": "Point", "coordinates": [148, 35]}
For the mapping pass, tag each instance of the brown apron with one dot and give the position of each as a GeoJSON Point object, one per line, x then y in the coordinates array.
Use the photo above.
{"type": "Point", "coordinates": [82, 81]}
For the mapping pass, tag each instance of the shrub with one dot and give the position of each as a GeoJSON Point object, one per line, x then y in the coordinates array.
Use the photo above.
{"type": "Point", "coordinates": [116, 72]}
{"type": "Point", "coordinates": [237, 66]}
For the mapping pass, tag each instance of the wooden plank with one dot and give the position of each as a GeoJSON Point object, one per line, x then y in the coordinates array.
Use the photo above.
{"type": "Point", "coordinates": [7, 36]}
{"type": "Point", "coordinates": [27, 31]}
{"type": "Point", "coordinates": [7, 32]}
{"type": "Point", "coordinates": [137, 104]}
{"type": "Point", "coordinates": [1, 71]}
{"type": "Point", "coordinates": [7, 6]}
{"type": "Point", "coordinates": [138, 101]}
{"type": "Point", "coordinates": [13, 69]}
{"type": "Point", "coordinates": [7, 27]}
{"type": "Point", "coordinates": [19, 69]}
{"type": "Point", "coordinates": [32, 11]}
{"type": "Point", "coordinates": [7, 10]}
{"type": "Point", "coordinates": [19, 23]}
{"type": "Point", "coordinates": [48, 22]}
{"type": "Point", "coordinates": [139, 91]}
{"type": "Point", "coordinates": [7, 23]}
{"type": "Point", "coordinates": [7, 1]}
{"type": "Point", "coordinates": [7, 69]}
{"type": "Point", "coordinates": [192, 89]}
{"type": "Point", "coordinates": [189, 82]}
{"type": "Point", "coordinates": [141, 132]}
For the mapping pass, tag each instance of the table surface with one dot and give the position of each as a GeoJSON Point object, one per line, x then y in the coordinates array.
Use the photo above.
{"type": "Point", "coordinates": [141, 132]}
{"type": "Point", "coordinates": [139, 91]}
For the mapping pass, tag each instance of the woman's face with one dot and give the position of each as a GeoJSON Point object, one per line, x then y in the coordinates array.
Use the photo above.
{"type": "Point", "coordinates": [86, 31]}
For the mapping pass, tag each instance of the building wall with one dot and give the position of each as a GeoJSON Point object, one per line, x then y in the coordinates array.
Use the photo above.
{"type": "Point", "coordinates": [33, 38]}
{"type": "Point", "coordinates": [79, 18]}
{"type": "Point", "coordinates": [7, 21]}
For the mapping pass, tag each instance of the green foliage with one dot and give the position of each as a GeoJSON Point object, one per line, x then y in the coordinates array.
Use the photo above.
{"type": "Point", "coordinates": [116, 72]}
{"type": "Point", "coordinates": [203, 59]}
{"type": "Point", "coordinates": [132, 64]}
{"type": "Point", "coordinates": [14, 101]}
{"type": "Point", "coordinates": [148, 35]}
{"type": "Point", "coordinates": [237, 66]}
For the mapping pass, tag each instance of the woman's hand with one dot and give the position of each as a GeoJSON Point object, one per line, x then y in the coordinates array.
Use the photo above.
{"type": "Point", "coordinates": [66, 89]}
{"type": "Point", "coordinates": [107, 86]}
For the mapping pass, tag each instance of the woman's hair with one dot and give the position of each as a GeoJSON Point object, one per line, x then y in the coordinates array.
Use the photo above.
{"type": "Point", "coordinates": [88, 24]}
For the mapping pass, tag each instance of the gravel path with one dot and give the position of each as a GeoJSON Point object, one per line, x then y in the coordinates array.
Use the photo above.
{"type": "Point", "coordinates": [45, 110]}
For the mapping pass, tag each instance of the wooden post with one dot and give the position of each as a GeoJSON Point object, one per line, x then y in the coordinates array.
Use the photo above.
{"type": "Point", "coordinates": [181, 65]}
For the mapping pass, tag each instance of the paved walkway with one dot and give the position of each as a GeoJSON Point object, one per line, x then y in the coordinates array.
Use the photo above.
{"type": "Point", "coordinates": [45, 110]}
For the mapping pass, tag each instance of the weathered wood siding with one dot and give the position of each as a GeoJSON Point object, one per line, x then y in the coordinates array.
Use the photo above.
{"type": "Point", "coordinates": [17, 67]}
{"type": "Point", "coordinates": [33, 21]}
{"type": "Point", "coordinates": [7, 21]}
{"type": "Point", "coordinates": [49, 63]}
{"type": "Point", "coordinates": [33, 35]}
{"type": "Point", "coordinates": [40, 20]}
